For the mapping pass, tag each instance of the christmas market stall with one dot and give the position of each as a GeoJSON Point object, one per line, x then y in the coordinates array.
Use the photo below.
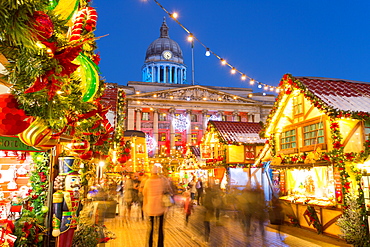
{"type": "Point", "coordinates": [318, 147]}
{"type": "Point", "coordinates": [230, 150]}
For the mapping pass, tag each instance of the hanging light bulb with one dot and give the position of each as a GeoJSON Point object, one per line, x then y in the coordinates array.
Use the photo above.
{"type": "Point", "coordinates": [271, 88]}
{"type": "Point", "coordinates": [208, 53]}
{"type": "Point", "coordinates": [259, 86]}
{"type": "Point", "coordinates": [277, 90]}
{"type": "Point", "coordinates": [190, 37]}
{"type": "Point", "coordinates": [223, 61]}
{"type": "Point", "coordinates": [251, 82]}
{"type": "Point", "coordinates": [233, 71]}
{"type": "Point", "coordinates": [265, 87]}
{"type": "Point", "coordinates": [244, 77]}
{"type": "Point", "coordinates": [174, 15]}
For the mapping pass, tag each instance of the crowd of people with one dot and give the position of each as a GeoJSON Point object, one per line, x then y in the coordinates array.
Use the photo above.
{"type": "Point", "coordinates": [148, 193]}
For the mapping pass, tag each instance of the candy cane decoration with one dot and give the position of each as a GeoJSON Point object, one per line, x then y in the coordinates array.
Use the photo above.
{"type": "Point", "coordinates": [85, 20]}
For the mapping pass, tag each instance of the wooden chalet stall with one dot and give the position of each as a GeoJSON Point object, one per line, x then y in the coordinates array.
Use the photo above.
{"type": "Point", "coordinates": [317, 131]}
{"type": "Point", "coordinates": [233, 146]}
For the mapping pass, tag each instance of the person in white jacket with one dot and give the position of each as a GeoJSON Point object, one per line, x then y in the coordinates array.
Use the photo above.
{"type": "Point", "coordinates": [153, 207]}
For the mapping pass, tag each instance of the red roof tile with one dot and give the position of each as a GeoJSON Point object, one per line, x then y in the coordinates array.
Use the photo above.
{"type": "Point", "coordinates": [243, 132]}
{"type": "Point", "coordinates": [340, 94]}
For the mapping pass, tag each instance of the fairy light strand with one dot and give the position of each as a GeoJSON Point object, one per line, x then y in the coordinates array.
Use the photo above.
{"type": "Point", "coordinates": [234, 70]}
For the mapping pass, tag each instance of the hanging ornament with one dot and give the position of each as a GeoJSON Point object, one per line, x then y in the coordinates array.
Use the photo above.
{"type": "Point", "coordinates": [38, 135]}
{"type": "Point", "coordinates": [86, 156]}
{"type": "Point", "coordinates": [12, 119]}
{"type": "Point", "coordinates": [66, 8]}
{"type": "Point", "coordinates": [85, 21]}
{"type": "Point", "coordinates": [43, 25]}
{"type": "Point", "coordinates": [88, 71]}
{"type": "Point", "coordinates": [79, 146]}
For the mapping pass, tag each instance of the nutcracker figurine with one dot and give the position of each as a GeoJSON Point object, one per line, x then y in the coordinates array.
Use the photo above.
{"type": "Point", "coordinates": [66, 202]}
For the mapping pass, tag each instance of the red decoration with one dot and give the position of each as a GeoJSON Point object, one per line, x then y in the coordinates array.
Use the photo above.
{"type": "Point", "coordinates": [80, 146]}
{"type": "Point", "coordinates": [85, 20]}
{"type": "Point", "coordinates": [12, 119]}
{"type": "Point", "coordinates": [86, 156]}
{"type": "Point", "coordinates": [43, 25]}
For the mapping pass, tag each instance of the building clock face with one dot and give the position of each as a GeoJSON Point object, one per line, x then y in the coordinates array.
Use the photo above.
{"type": "Point", "coordinates": [167, 55]}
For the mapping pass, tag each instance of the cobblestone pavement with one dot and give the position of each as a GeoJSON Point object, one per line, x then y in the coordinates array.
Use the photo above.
{"type": "Point", "coordinates": [132, 232]}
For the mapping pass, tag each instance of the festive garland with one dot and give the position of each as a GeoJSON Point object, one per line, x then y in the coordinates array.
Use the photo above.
{"type": "Point", "coordinates": [312, 216]}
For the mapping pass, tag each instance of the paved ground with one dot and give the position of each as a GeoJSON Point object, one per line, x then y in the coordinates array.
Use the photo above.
{"type": "Point", "coordinates": [132, 232]}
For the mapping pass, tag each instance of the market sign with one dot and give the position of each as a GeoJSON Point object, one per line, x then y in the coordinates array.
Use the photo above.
{"type": "Point", "coordinates": [206, 151]}
{"type": "Point", "coordinates": [14, 144]}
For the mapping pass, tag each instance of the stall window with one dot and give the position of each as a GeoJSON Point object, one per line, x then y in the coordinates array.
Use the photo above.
{"type": "Point", "coordinates": [298, 105]}
{"type": "Point", "coordinates": [367, 128]}
{"type": "Point", "coordinates": [224, 117]}
{"type": "Point", "coordinates": [178, 137]}
{"type": "Point", "coordinates": [313, 134]}
{"type": "Point", "coordinates": [194, 118]}
{"type": "Point", "coordinates": [194, 138]}
{"type": "Point", "coordinates": [162, 117]}
{"type": "Point", "coordinates": [145, 116]}
{"type": "Point", "coordinates": [162, 137]}
{"type": "Point", "coordinates": [288, 139]}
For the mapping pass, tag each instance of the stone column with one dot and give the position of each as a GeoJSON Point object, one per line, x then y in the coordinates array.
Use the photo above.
{"type": "Point", "coordinates": [155, 129]}
{"type": "Point", "coordinates": [188, 129]}
{"type": "Point", "coordinates": [131, 119]}
{"type": "Point", "coordinates": [220, 114]}
{"type": "Point", "coordinates": [257, 117]}
{"type": "Point", "coordinates": [138, 119]}
{"type": "Point", "coordinates": [204, 119]}
{"type": "Point", "coordinates": [172, 129]}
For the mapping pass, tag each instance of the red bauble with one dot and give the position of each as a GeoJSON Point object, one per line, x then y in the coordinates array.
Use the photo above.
{"type": "Point", "coordinates": [122, 159]}
{"type": "Point", "coordinates": [87, 155]}
{"type": "Point", "coordinates": [12, 119]}
{"type": "Point", "coordinates": [43, 25]}
{"type": "Point", "coordinates": [80, 146]}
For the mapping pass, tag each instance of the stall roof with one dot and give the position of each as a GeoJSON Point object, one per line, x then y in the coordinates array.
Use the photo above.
{"type": "Point", "coordinates": [195, 150]}
{"type": "Point", "coordinates": [341, 94]}
{"type": "Point", "coordinates": [244, 132]}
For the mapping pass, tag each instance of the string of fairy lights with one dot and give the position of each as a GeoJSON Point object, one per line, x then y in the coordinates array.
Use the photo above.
{"type": "Point", "coordinates": [233, 70]}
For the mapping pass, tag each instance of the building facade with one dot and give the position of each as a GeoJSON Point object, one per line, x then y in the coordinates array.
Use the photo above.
{"type": "Point", "coordinates": [174, 114]}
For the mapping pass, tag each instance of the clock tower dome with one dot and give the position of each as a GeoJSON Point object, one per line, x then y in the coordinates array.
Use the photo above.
{"type": "Point", "coordinates": [163, 60]}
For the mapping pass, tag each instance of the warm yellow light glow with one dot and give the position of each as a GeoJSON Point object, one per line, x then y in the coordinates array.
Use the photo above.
{"type": "Point", "coordinates": [271, 88]}
{"type": "Point", "coordinates": [235, 97]}
{"type": "Point", "coordinates": [250, 95]}
{"type": "Point", "coordinates": [265, 88]}
{"type": "Point", "coordinates": [175, 15]}
{"type": "Point", "coordinates": [244, 77]}
{"type": "Point", "coordinates": [233, 71]}
{"type": "Point", "coordinates": [190, 38]}
{"type": "Point", "coordinates": [204, 98]}
{"type": "Point", "coordinates": [138, 92]}
{"type": "Point", "coordinates": [101, 163]}
{"type": "Point", "coordinates": [277, 90]}
{"type": "Point", "coordinates": [223, 61]}
{"type": "Point", "coordinates": [60, 92]}
{"type": "Point", "coordinates": [155, 96]}
{"type": "Point", "coordinates": [251, 82]}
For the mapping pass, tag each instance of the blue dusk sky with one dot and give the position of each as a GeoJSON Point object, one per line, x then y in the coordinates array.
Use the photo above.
{"type": "Point", "coordinates": [262, 39]}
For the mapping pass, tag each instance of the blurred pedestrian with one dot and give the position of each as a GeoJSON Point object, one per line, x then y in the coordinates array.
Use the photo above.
{"type": "Point", "coordinates": [153, 192]}
{"type": "Point", "coordinates": [192, 188]}
{"type": "Point", "coordinates": [188, 206]}
{"type": "Point", "coordinates": [199, 187]}
{"type": "Point", "coordinates": [128, 195]}
{"type": "Point", "coordinates": [142, 179]}
{"type": "Point", "coordinates": [208, 213]}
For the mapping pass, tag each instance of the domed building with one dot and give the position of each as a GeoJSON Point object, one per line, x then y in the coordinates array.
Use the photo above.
{"type": "Point", "coordinates": [173, 114]}
{"type": "Point", "coordinates": [164, 62]}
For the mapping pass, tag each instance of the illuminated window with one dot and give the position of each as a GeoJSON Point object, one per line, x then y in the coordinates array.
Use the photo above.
{"type": "Point", "coordinates": [298, 105]}
{"type": "Point", "coordinates": [367, 129]}
{"type": "Point", "coordinates": [145, 116]}
{"type": "Point", "coordinates": [288, 139]}
{"type": "Point", "coordinates": [162, 137]}
{"type": "Point", "coordinates": [194, 118]}
{"type": "Point", "coordinates": [194, 138]}
{"type": "Point", "coordinates": [178, 137]}
{"type": "Point", "coordinates": [162, 117]}
{"type": "Point", "coordinates": [313, 134]}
